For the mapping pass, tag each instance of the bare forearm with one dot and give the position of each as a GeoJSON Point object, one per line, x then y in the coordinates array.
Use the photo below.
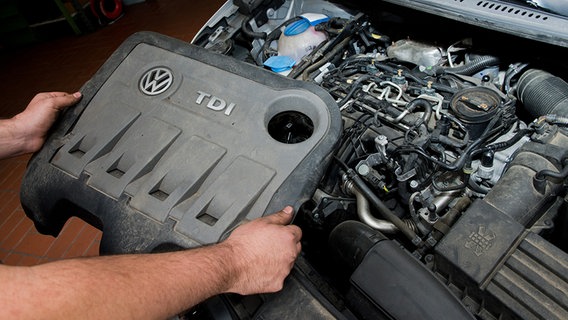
{"type": "Point", "coordinates": [11, 142]}
{"type": "Point", "coordinates": [152, 286]}
{"type": "Point", "coordinates": [256, 258]}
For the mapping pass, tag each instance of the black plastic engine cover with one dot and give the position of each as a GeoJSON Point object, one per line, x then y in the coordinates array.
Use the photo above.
{"type": "Point", "coordinates": [172, 144]}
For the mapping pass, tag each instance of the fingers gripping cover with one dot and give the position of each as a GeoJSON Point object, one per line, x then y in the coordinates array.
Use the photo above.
{"type": "Point", "coordinates": [172, 144]}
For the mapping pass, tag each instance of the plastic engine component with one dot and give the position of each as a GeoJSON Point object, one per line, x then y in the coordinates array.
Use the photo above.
{"type": "Point", "coordinates": [498, 260]}
{"type": "Point", "coordinates": [387, 282]}
{"type": "Point", "coordinates": [174, 145]}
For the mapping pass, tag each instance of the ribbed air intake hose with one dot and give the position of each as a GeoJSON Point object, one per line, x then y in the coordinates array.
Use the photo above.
{"type": "Point", "coordinates": [543, 93]}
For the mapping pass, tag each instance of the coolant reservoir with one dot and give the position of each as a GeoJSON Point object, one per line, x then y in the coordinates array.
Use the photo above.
{"type": "Point", "coordinates": [300, 38]}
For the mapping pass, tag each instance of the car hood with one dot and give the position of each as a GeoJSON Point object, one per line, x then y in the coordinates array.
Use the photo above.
{"type": "Point", "coordinates": [546, 22]}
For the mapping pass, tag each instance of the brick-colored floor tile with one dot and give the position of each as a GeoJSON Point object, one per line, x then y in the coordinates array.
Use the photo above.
{"type": "Point", "coordinates": [14, 179]}
{"type": "Point", "coordinates": [22, 159]}
{"type": "Point", "coordinates": [9, 201]}
{"type": "Point", "coordinates": [14, 237]}
{"type": "Point", "coordinates": [61, 244]}
{"type": "Point", "coordinates": [34, 243]}
{"type": "Point", "coordinates": [80, 246]}
{"type": "Point", "coordinates": [12, 259]}
{"type": "Point", "coordinates": [3, 254]}
{"type": "Point", "coordinates": [28, 261]}
{"type": "Point", "coordinates": [74, 224]}
{"type": "Point", "coordinates": [90, 230]}
{"type": "Point", "coordinates": [6, 166]}
{"type": "Point", "coordinates": [43, 260]}
{"type": "Point", "coordinates": [93, 250]}
{"type": "Point", "coordinates": [8, 225]}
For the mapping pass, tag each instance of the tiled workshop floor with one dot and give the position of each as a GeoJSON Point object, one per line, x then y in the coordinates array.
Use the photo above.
{"type": "Point", "coordinates": [65, 64]}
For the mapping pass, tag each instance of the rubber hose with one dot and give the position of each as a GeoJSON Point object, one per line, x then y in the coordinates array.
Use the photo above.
{"type": "Point", "coordinates": [471, 67]}
{"type": "Point", "coordinates": [354, 87]}
{"type": "Point", "coordinates": [251, 34]}
{"type": "Point", "coordinates": [351, 240]}
{"type": "Point", "coordinates": [553, 175]}
{"type": "Point", "coordinates": [555, 119]}
{"type": "Point", "coordinates": [543, 93]}
{"type": "Point", "coordinates": [325, 59]}
{"type": "Point", "coordinates": [505, 144]}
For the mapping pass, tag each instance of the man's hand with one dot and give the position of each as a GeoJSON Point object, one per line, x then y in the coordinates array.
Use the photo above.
{"type": "Point", "coordinates": [40, 114]}
{"type": "Point", "coordinates": [264, 251]}
{"type": "Point", "coordinates": [26, 132]}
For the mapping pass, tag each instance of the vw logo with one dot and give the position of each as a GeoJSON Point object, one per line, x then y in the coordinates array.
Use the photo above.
{"type": "Point", "coordinates": [156, 81]}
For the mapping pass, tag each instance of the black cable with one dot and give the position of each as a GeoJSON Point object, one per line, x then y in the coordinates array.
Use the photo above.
{"type": "Point", "coordinates": [334, 52]}
{"type": "Point", "coordinates": [354, 137]}
{"type": "Point", "coordinates": [245, 28]}
{"type": "Point", "coordinates": [346, 145]}
{"type": "Point", "coordinates": [341, 163]}
{"type": "Point", "coordinates": [466, 154]}
{"type": "Point", "coordinates": [476, 187]}
{"type": "Point", "coordinates": [354, 87]}
{"type": "Point", "coordinates": [505, 144]}
{"type": "Point", "coordinates": [274, 35]}
{"type": "Point", "coordinates": [553, 175]}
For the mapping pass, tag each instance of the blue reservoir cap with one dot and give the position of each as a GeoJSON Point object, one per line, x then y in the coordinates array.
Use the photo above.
{"type": "Point", "coordinates": [315, 18]}
{"type": "Point", "coordinates": [297, 27]}
{"type": "Point", "coordinates": [279, 63]}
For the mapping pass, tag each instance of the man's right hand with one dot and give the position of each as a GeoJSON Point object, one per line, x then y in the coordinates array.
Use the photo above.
{"type": "Point", "coordinates": [264, 251]}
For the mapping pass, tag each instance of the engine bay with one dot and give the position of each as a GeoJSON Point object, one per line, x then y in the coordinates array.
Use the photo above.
{"type": "Point", "coordinates": [453, 146]}
{"type": "Point", "coordinates": [426, 156]}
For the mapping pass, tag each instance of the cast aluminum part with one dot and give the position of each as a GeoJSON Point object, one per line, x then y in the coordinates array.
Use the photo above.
{"type": "Point", "coordinates": [381, 143]}
{"type": "Point", "coordinates": [418, 53]}
{"type": "Point", "coordinates": [501, 158]}
{"type": "Point", "coordinates": [438, 201]}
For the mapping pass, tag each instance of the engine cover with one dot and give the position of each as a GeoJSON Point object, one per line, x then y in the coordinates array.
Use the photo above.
{"type": "Point", "coordinates": [174, 145]}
